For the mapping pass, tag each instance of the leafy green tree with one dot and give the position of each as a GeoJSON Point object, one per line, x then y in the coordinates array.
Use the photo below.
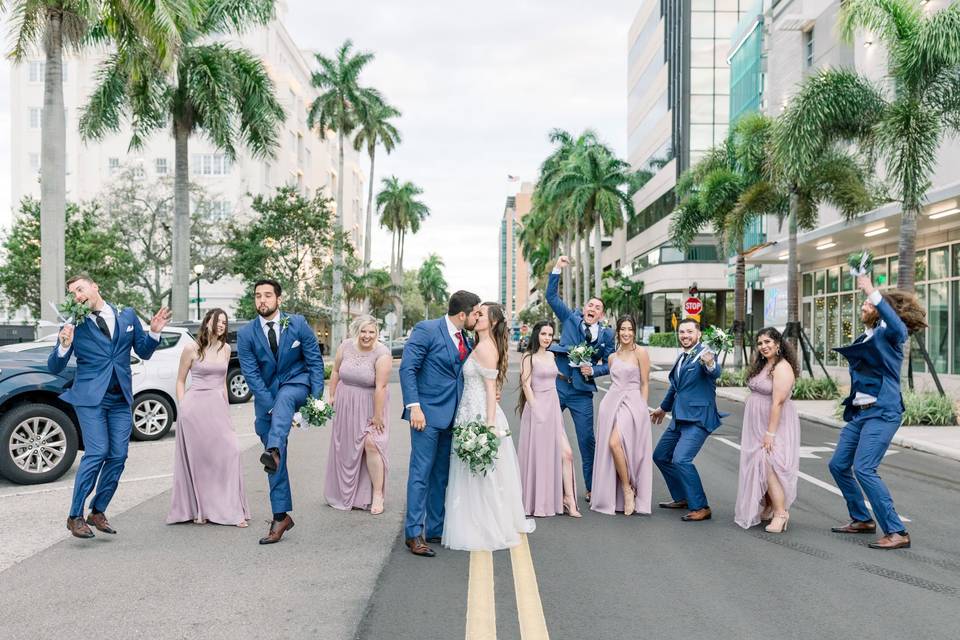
{"type": "Point", "coordinates": [93, 246]}
{"type": "Point", "coordinates": [412, 307]}
{"type": "Point", "coordinates": [432, 284]}
{"type": "Point", "coordinates": [531, 314]}
{"type": "Point", "coordinates": [401, 212]}
{"type": "Point", "coordinates": [622, 295]}
{"type": "Point", "coordinates": [290, 238]}
{"type": "Point", "coordinates": [221, 91]}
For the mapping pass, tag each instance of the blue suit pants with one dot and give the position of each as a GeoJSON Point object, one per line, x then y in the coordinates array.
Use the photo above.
{"type": "Point", "coordinates": [863, 443]}
{"type": "Point", "coordinates": [427, 481]}
{"type": "Point", "coordinates": [674, 455]}
{"type": "Point", "coordinates": [273, 429]}
{"type": "Point", "coordinates": [580, 404]}
{"type": "Point", "coordinates": [106, 437]}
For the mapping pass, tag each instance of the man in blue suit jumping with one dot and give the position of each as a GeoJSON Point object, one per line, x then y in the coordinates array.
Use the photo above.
{"type": "Point", "coordinates": [101, 394]}
{"type": "Point", "coordinates": [692, 399]}
{"type": "Point", "coordinates": [281, 362]}
{"type": "Point", "coordinates": [576, 385]}
{"type": "Point", "coordinates": [431, 379]}
{"type": "Point", "coordinates": [873, 411]}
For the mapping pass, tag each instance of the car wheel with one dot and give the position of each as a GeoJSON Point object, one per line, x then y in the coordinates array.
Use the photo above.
{"type": "Point", "coordinates": [38, 443]}
{"type": "Point", "coordinates": [152, 417]}
{"type": "Point", "coordinates": [237, 387]}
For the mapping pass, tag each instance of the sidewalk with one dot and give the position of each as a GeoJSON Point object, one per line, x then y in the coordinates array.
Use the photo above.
{"type": "Point", "coordinates": [940, 441]}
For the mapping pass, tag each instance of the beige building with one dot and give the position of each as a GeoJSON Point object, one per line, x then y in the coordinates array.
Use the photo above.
{"type": "Point", "coordinates": [302, 158]}
{"type": "Point", "coordinates": [514, 273]}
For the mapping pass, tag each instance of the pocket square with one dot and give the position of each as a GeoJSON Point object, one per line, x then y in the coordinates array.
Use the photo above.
{"type": "Point", "coordinates": [296, 343]}
{"type": "Point", "coordinates": [130, 328]}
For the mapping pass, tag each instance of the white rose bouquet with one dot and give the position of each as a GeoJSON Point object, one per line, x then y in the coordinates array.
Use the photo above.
{"type": "Point", "coordinates": [717, 340]}
{"type": "Point", "coordinates": [581, 354]}
{"type": "Point", "coordinates": [860, 263]}
{"type": "Point", "coordinates": [315, 413]}
{"type": "Point", "coordinates": [476, 445]}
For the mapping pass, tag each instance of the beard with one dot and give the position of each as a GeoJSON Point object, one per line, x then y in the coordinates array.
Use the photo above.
{"type": "Point", "coordinates": [468, 326]}
{"type": "Point", "coordinates": [266, 312]}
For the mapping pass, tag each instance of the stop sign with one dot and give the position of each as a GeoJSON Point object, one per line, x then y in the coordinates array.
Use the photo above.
{"type": "Point", "coordinates": [693, 306]}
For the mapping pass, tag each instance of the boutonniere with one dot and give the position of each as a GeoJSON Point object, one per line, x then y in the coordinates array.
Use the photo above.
{"type": "Point", "coordinates": [284, 323]}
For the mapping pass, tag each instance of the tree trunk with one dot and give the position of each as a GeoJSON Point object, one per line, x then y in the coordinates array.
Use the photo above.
{"type": "Point", "coordinates": [793, 292]}
{"type": "Point", "coordinates": [567, 250]}
{"type": "Point", "coordinates": [597, 257]}
{"type": "Point", "coordinates": [337, 329]}
{"type": "Point", "coordinates": [367, 240]}
{"type": "Point", "coordinates": [574, 267]}
{"type": "Point", "coordinates": [399, 281]}
{"type": "Point", "coordinates": [53, 173]}
{"type": "Point", "coordinates": [739, 308]}
{"type": "Point", "coordinates": [180, 290]}
{"type": "Point", "coordinates": [907, 270]}
{"type": "Point", "coordinates": [585, 261]}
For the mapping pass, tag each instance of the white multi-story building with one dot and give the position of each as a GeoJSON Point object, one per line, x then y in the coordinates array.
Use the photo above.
{"type": "Point", "coordinates": [302, 159]}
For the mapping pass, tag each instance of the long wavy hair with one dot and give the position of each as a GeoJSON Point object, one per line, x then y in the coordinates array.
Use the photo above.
{"type": "Point", "coordinates": [784, 352]}
{"type": "Point", "coordinates": [533, 346]}
{"type": "Point", "coordinates": [500, 335]}
{"type": "Point", "coordinates": [208, 331]}
{"type": "Point", "coordinates": [908, 307]}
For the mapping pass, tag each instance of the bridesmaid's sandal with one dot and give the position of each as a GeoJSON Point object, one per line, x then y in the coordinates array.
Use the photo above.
{"type": "Point", "coordinates": [570, 509]}
{"type": "Point", "coordinates": [629, 501]}
{"type": "Point", "coordinates": [243, 524]}
{"type": "Point", "coordinates": [376, 506]}
{"type": "Point", "coordinates": [200, 521]}
{"type": "Point", "coordinates": [779, 523]}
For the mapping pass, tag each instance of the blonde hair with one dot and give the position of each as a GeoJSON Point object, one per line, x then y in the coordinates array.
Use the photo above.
{"type": "Point", "coordinates": [359, 323]}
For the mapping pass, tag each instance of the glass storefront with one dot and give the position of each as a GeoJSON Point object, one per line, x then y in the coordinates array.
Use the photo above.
{"type": "Point", "coordinates": [830, 307]}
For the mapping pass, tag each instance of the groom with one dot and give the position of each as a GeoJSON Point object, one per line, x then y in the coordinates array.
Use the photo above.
{"type": "Point", "coordinates": [281, 362]}
{"type": "Point", "coordinates": [431, 379]}
{"type": "Point", "coordinates": [576, 385]}
{"type": "Point", "coordinates": [692, 398]}
{"type": "Point", "coordinates": [101, 394]}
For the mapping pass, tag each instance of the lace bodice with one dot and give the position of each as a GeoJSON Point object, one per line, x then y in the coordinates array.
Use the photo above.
{"type": "Point", "coordinates": [357, 367]}
{"type": "Point", "coordinates": [473, 402]}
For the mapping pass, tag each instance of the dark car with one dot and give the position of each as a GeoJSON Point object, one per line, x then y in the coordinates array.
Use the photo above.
{"type": "Point", "coordinates": [237, 388]}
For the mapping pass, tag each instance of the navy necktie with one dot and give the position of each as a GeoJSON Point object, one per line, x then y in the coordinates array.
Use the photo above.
{"type": "Point", "coordinates": [272, 337]}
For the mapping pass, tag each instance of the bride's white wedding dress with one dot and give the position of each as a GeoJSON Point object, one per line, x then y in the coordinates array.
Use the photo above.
{"type": "Point", "coordinates": [484, 512]}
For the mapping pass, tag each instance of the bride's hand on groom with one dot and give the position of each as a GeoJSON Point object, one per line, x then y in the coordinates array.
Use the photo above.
{"type": "Point", "coordinates": [417, 419]}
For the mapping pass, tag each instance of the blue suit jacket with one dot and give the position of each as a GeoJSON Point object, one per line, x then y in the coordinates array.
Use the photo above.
{"type": "Point", "coordinates": [431, 373]}
{"type": "Point", "coordinates": [692, 396]}
{"type": "Point", "coordinates": [572, 334]}
{"type": "Point", "coordinates": [99, 357]}
{"type": "Point", "coordinates": [298, 360]}
{"type": "Point", "coordinates": [875, 363]}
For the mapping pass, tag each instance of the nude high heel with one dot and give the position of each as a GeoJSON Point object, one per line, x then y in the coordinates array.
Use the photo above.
{"type": "Point", "coordinates": [570, 509]}
{"type": "Point", "coordinates": [779, 523]}
{"type": "Point", "coordinates": [629, 501]}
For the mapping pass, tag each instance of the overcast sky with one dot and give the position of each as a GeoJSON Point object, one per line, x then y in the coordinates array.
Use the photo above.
{"type": "Point", "coordinates": [480, 84]}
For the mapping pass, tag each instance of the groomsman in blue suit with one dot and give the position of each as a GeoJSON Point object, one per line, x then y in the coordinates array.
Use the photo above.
{"type": "Point", "coordinates": [281, 362]}
{"type": "Point", "coordinates": [101, 394]}
{"type": "Point", "coordinates": [692, 399]}
{"type": "Point", "coordinates": [431, 379]}
{"type": "Point", "coordinates": [576, 385]}
{"type": "Point", "coordinates": [873, 411]}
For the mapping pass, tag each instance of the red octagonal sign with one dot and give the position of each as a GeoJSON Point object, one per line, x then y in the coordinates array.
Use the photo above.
{"type": "Point", "coordinates": [693, 306]}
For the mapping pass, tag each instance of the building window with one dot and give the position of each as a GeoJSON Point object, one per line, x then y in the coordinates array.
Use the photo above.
{"type": "Point", "coordinates": [113, 164]}
{"type": "Point", "coordinates": [160, 166]}
{"type": "Point", "coordinates": [35, 116]}
{"type": "Point", "coordinates": [808, 48]}
{"type": "Point", "coordinates": [34, 162]}
{"type": "Point", "coordinates": [35, 71]}
{"type": "Point", "coordinates": [211, 164]}
{"type": "Point", "coordinates": [221, 208]}
{"type": "Point", "coordinates": [138, 172]}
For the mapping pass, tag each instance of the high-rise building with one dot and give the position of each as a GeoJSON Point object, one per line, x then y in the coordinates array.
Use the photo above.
{"type": "Point", "coordinates": [678, 86]}
{"type": "Point", "coordinates": [514, 284]}
{"type": "Point", "coordinates": [302, 158]}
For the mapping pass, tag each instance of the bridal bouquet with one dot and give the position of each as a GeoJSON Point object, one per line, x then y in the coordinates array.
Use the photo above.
{"type": "Point", "coordinates": [476, 445]}
{"type": "Point", "coordinates": [73, 312]}
{"type": "Point", "coordinates": [717, 340]}
{"type": "Point", "coordinates": [581, 354]}
{"type": "Point", "coordinates": [860, 263]}
{"type": "Point", "coordinates": [315, 413]}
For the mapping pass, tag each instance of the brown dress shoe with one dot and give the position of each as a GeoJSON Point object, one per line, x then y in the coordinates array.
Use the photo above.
{"type": "Point", "coordinates": [676, 504]}
{"type": "Point", "coordinates": [418, 547]}
{"type": "Point", "coordinates": [892, 541]}
{"type": "Point", "coordinates": [856, 527]}
{"type": "Point", "coordinates": [698, 515]}
{"type": "Point", "coordinates": [270, 459]}
{"type": "Point", "coordinates": [79, 528]}
{"type": "Point", "coordinates": [277, 529]}
{"type": "Point", "coordinates": [99, 520]}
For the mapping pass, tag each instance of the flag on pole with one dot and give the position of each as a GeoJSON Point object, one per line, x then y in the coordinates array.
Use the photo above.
{"type": "Point", "coordinates": [511, 178]}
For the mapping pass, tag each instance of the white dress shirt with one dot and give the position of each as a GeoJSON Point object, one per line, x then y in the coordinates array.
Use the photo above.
{"type": "Point", "coordinates": [276, 326]}
{"type": "Point", "coordinates": [862, 398]}
{"type": "Point", "coordinates": [454, 332]}
{"type": "Point", "coordinates": [106, 312]}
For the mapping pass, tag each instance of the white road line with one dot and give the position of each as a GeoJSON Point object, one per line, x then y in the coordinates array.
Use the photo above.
{"type": "Point", "coordinates": [70, 486]}
{"type": "Point", "coordinates": [812, 480]}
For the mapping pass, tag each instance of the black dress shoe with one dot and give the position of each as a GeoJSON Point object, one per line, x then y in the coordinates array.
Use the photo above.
{"type": "Point", "coordinates": [676, 504]}
{"type": "Point", "coordinates": [434, 540]}
{"type": "Point", "coordinates": [270, 460]}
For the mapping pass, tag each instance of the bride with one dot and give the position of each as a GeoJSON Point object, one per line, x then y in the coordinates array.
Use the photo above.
{"type": "Point", "coordinates": [485, 512]}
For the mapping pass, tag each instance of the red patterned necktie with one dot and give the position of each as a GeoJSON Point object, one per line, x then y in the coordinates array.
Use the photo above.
{"type": "Point", "coordinates": [461, 346]}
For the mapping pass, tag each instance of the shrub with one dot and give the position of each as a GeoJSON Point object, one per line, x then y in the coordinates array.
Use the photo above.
{"type": "Point", "coordinates": [667, 339]}
{"type": "Point", "coordinates": [928, 409]}
{"type": "Point", "coordinates": [327, 370]}
{"type": "Point", "coordinates": [816, 389]}
{"type": "Point", "coordinates": [732, 378]}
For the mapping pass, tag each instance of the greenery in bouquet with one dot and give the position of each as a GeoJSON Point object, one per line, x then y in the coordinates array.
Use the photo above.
{"type": "Point", "coordinates": [476, 445]}
{"type": "Point", "coordinates": [581, 354]}
{"type": "Point", "coordinates": [717, 340]}
{"type": "Point", "coordinates": [74, 312]}
{"type": "Point", "coordinates": [316, 412]}
{"type": "Point", "coordinates": [861, 263]}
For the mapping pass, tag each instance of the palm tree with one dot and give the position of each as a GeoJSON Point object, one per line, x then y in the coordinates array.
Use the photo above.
{"type": "Point", "coordinates": [215, 89]}
{"type": "Point", "coordinates": [375, 129]}
{"type": "Point", "coordinates": [905, 125]}
{"type": "Point", "coordinates": [55, 25]}
{"type": "Point", "coordinates": [382, 293]}
{"type": "Point", "coordinates": [338, 109]}
{"type": "Point", "coordinates": [401, 213]}
{"type": "Point", "coordinates": [431, 283]}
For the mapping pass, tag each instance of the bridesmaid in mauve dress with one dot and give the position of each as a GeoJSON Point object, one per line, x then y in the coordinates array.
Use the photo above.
{"type": "Point", "coordinates": [207, 475]}
{"type": "Point", "coordinates": [770, 440]}
{"type": "Point", "coordinates": [546, 459]}
{"type": "Point", "coordinates": [357, 458]}
{"type": "Point", "coordinates": [623, 469]}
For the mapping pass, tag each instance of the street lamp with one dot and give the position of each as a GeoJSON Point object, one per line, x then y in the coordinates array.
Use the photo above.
{"type": "Point", "coordinates": [198, 269]}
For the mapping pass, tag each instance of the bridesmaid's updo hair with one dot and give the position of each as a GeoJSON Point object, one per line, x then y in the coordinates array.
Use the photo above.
{"type": "Point", "coordinates": [784, 352]}
{"type": "Point", "coordinates": [359, 323]}
{"type": "Point", "coordinates": [207, 334]}
{"type": "Point", "coordinates": [620, 322]}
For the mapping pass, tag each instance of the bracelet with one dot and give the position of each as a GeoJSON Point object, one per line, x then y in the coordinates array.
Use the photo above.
{"type": "Point", "coordinates": [771, 434]}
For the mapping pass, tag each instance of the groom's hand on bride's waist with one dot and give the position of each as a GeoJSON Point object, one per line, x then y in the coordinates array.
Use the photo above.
{"type": "Point", "coordinates": [417, 419]}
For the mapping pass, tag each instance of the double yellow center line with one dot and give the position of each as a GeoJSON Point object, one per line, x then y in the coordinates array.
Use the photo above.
{"type": "Point", "coordinates": [481, 609]}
